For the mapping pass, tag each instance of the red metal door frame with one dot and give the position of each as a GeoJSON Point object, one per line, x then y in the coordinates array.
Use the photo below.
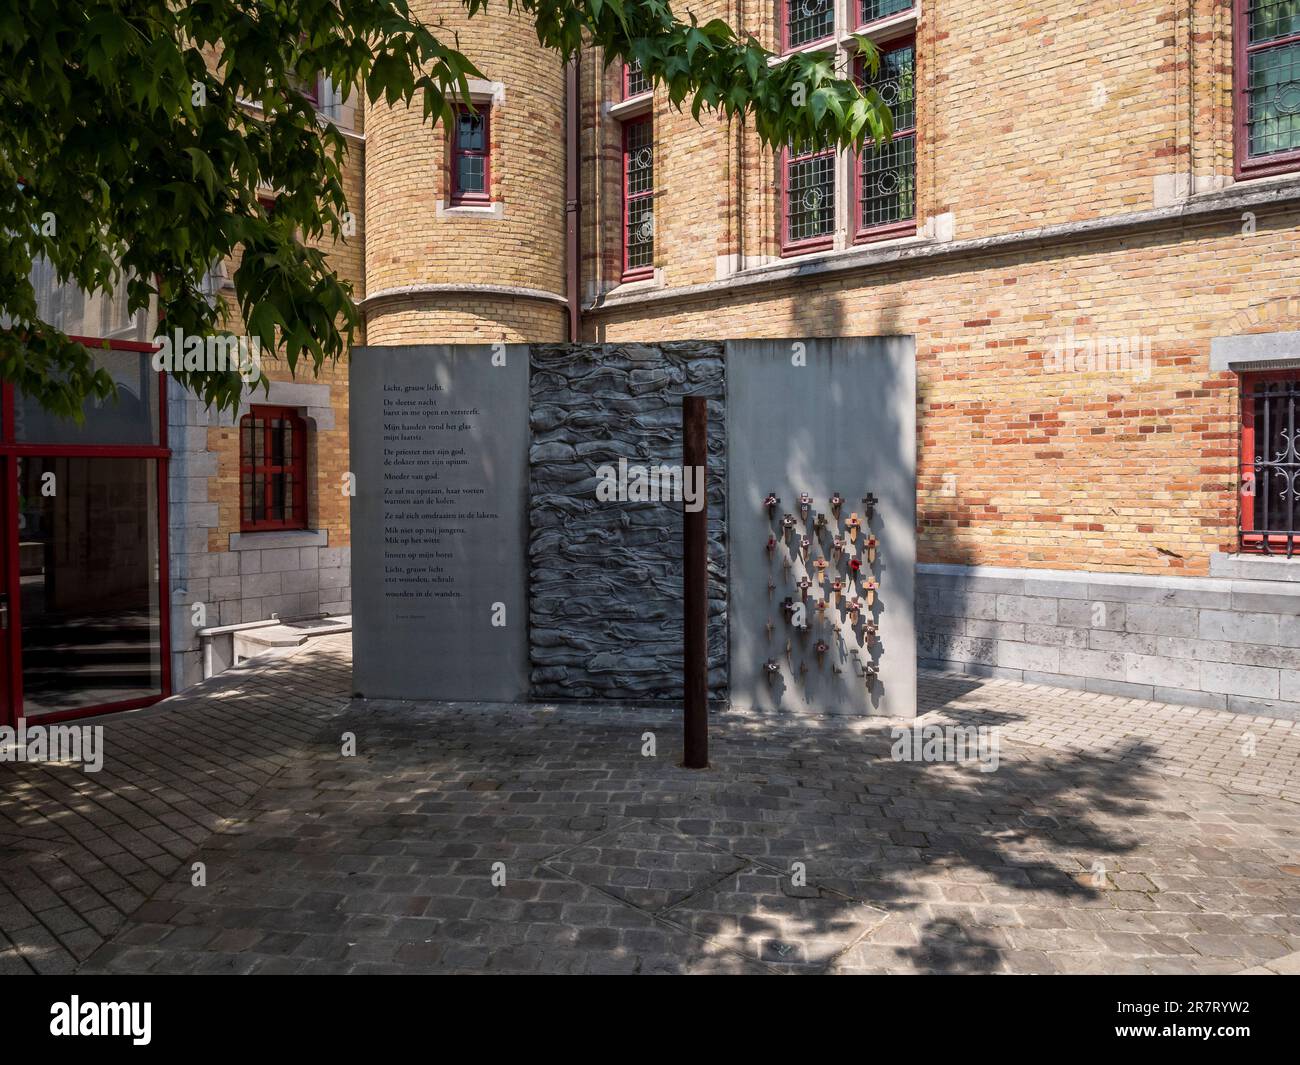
{"type": "Point", "coordinates": [11, 676]}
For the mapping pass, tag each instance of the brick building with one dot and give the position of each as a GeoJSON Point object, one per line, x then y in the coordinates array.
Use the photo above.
{"type": "Point", "coordinates": [1087, 218]}
{"type": "Point", "coordinates": [170, 529]}
{"type": "Point", "coordinates": [258, 501]}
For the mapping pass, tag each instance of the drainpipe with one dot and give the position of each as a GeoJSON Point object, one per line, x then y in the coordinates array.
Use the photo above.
{"type": "Point", "coordinates": [572, 200]}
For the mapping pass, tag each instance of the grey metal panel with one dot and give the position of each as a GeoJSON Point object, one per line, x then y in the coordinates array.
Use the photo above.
{"type": "Point", "coordinates": [443, 647]}
{"type": "Point", "coordinates": [843, 421]}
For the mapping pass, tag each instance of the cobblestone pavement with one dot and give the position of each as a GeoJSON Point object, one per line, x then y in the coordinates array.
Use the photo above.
{"type": "Point", "coordinates": [1114, 836]}
{"type": "Point", "coordinates": [79, 852]}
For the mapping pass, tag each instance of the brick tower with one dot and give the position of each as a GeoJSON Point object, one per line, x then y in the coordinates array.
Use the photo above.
{"type": "Point", "coordinates": [465, 228]}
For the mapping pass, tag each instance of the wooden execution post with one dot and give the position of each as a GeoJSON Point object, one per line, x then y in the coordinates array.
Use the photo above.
{"type": "Point", "coordinates": [695, 536]}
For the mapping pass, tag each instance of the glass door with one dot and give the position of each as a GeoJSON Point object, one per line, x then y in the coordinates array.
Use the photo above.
{"type": "Point", "coordinates": [89, 566]}
{"type": "Point", "coordinates": [8, 630]}
{"type": "Point", "coordinates": [83, 596]}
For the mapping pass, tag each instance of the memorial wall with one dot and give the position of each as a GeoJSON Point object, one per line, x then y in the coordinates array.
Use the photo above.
{"type": "Point", "coordinates": [605, 611]}
{"type": "Point", "coordinates": [440, 459]}
{"type": "Point", "coordinates": [822, 520]}
{"type": "Point", "coordinates": [518, 512]}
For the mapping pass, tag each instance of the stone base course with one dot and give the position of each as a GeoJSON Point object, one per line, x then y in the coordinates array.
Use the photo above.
{"type": "Point", "coordinates": [1214, 642]}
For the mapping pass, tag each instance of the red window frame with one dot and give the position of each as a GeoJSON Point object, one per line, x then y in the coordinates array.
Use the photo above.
{"type": "Point", "coordinates": [808, 244]}
{"type": "Point", "coordinates": [295, 467]}
{"type": "Point", "coordinates": [862, 233]}
{"type": "Point", "coordinates": [909, 9]}
{"type": "Point", "coordinates": [1266, 541]}
{"type": "Point", "coordinates": [783, 16]}
{"type": "Point", "coordinates": [160, 452]}
{"type": "Point", "coordinates": [1243, 165]}
{"type": "Point", "coordinates": [635, 273]}
{"type": "Point", "coordinates": [11, 451]}
{"type": "Point", "coordinates": [310, 89]}
{"type": "Point", "coordinates": [456, 152]}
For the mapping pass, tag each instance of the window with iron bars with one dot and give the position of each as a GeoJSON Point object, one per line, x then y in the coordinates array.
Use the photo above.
{"type": "Point", "coordinates": [886, 174]}
{"type": "Point", "coordinates": [1270, 463]}
{"type": "Point", "coordinates": [638, 198]}
{"type": "Point", "coordinates": [1267, 74]}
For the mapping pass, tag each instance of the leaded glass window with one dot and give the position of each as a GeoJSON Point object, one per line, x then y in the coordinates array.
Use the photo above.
{"type": "Point", "coordinates": [638, 198]}
{"type": "Point", "coordinates": [1270, 106]}
{"type": "Point", "coordinates": [809, 194]}
{"type": "Point", "coordinates": [634, 80]}
{"type": "Point", "coordinates": [807, 21]}
{"type": "Point", "coordinates": [874, 10]}
{"type": "Point", "coordinates": [887, 174]}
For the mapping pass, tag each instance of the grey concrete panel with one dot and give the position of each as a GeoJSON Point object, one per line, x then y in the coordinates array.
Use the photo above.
{"type": "Point", "coordinates": [431, 635]}
{"type": "Point", "coordinates": [844, 421]}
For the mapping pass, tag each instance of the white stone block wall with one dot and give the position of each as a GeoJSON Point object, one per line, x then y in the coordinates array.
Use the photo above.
{"type": "Point", "coordinates": [1224, 642]}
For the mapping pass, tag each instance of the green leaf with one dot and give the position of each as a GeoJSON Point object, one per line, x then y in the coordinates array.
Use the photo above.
{"type": "Point", "coordinates": [98, 102]}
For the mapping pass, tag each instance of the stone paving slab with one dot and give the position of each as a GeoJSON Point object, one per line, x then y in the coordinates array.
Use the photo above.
{"type": "Point", "coordinates": [646, 866]}
{"type": "Point", "coordinates": [1101, 843]}
{"type": "Point", "coordinates": [1288, 965]}
{"type": "Point", "coordinates": [1243, 752]}
{"type": "Point", "coordinates": [80, 852]}
{"type": "Point", "coordinates": [763, 915]}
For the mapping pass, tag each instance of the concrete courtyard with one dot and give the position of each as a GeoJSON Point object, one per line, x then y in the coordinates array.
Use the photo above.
{"type": "Point", "coordinates": [229, 832]}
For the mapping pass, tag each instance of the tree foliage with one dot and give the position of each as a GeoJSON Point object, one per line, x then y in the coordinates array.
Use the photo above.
{"type": "Point", "coordinates": [136, 136]}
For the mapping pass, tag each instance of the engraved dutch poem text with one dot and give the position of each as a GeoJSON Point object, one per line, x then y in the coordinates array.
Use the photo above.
{"type": "Point", "coordinates": [433, 495]}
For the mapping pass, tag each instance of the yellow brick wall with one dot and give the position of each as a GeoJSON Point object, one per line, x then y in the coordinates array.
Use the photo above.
{"type": "Point", "coordinates": [1022, 466]}
{"type": "Point", "coordinates": [407, 176]}
{"type": "Point", "coordinates": [328, 454]}
{"type": "Point", "coordinates": [466, 318]}
{"type": "Point", "coordinates": [1029, 115]}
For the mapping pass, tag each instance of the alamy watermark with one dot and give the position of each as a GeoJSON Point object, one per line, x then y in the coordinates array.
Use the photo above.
{"type": "Point", "coordinates": [1129, 356]}
{"type": "Point", "coordinates": [947, 743]}
{"type": "Point", "coordinates": [651, 484]}
{"type": "Point", "coordinates": [116, 1019]}
{"type": "Point", "coordinates": [209, 353]}
{"type": "Point", "coordinates": [53, 743]}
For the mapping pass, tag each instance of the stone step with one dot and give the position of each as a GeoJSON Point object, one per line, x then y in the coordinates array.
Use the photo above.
{"type": "Point", "coordinates": [254, 642]}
